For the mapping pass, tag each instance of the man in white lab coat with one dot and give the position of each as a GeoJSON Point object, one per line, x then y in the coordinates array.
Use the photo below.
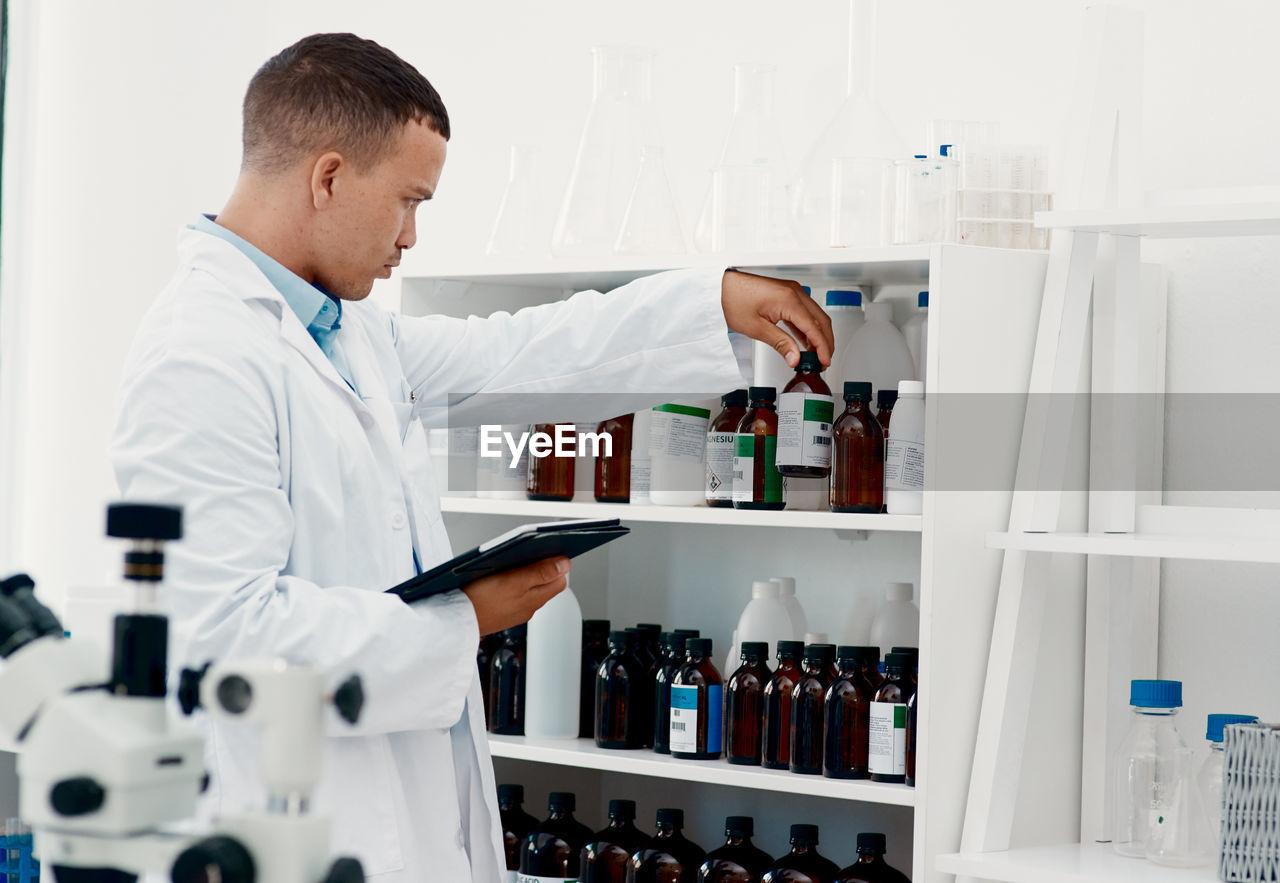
{"type": "Point", "coordinates": [285, 414]}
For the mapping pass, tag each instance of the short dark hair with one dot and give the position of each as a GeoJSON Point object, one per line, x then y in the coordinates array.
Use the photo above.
{"type": "Point", "coordinates": [334, 92]}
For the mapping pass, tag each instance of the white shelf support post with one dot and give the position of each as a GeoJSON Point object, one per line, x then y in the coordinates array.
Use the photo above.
{"type": "Point", "coordinates": [1100, 165]}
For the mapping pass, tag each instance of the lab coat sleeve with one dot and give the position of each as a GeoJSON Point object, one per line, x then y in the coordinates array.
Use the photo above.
{"type": "Point", "coordinates": [202, 431]}
{"type": "Point", "coordinates": [663, 335]}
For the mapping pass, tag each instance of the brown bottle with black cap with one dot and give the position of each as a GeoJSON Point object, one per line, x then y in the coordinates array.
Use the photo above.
{"type": "Point", "coordinates": [552, 851]}
{"type": "Point", "coordinates": [550, 477]}
{"type": "Point", "coordinates": [808, 709]}
{"type": "Point", "coordinates": [613, 473]}
{"type": "Point", "coordinates": [739, 860]}
{"type": "Point", "coordinates": [595, 647]}
{"type": "Point", "coordinates": [722, 437]}
{"type": "Point", "coordinates": [857, 468]}
{"type": "Point", "coordinates": [775, 729]}
{"type": "Point", "coordinates": [744, 704]}
{"type": "Point", "coordinates": [618, 683]}
{"type": "Point", "coordinates": [806, 409]}
{"type": "Point", "coordinates": [757, 484]}
{"type": "Point", "coordinates": [803, 864]}
{"type": "Point", "coordinates": [848, 710]}
{"type": "Point", "coordinates": [697, 705]}
{"type": "Point", "coordinates": [871, 866]}
{"type": "Point", "coordinates": [607, 853]}
{"type": "Point", "coordinates": [506, 684]}
{"type": "Point", "coordinates": [516, 825]}
{"type": "Point", "coordinates": [669, 857]}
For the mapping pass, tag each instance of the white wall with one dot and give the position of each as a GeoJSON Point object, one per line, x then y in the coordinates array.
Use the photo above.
{"type": "Point", "coordinates": [131, 127]}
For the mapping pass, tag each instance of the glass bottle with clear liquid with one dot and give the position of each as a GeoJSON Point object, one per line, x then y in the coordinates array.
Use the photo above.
{"type": "Point", "coordinates": [1146, 764]}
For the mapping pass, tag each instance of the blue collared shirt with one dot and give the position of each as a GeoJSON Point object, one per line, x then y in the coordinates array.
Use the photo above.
{"type": "Point", "coordinates": [318, 311]}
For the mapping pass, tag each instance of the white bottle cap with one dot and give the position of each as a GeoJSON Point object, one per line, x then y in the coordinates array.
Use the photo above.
{"type": "Point", "coordinates": [786, 585]}
{"type": "Point", "coordinates": [878, 312]}
{"type": "Point", "coordinates": [911, 389]}
{"type": "Point", "coordinates": [815, 638]}
{"type": "Point", "coordinates": [764, 589]}
{"type": "Point", "coordinates": [899, 592]}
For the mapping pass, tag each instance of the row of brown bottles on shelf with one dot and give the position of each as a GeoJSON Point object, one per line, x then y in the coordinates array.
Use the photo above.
{"type": "Point", "coordinates": [562, 848]}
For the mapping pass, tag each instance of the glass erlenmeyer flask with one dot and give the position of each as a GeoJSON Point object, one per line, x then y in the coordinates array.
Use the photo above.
{"type": "Point", "coordinates": [752, 154]}
{"type": "Point", "coordinates": [619, 124]}
{"type": "Point", "coordinates": [860, 128]}
{"type": "Point", "coordinates": [1180, 835]}
{"type": "Point", "coordinates": [651, 224]}
{"type": "Point", "coordinates": [516, 230]}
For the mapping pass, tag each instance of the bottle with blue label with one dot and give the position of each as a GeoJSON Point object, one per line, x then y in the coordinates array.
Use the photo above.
{"type": "Point", "coordinates": [697, 705]}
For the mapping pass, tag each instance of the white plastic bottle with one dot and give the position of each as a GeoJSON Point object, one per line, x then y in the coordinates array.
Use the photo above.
{"type": "Point", "coordinates": [916, 332]}
{"type": "Point", "coordinates": [877, 352]}
{"type": "Point", "coordinates": [904, 452]}
{"type": "Point", "coordinates": [553, 668]}
{"type": "Point", "coordinates": [765, 618]}
{"type": "Point", "coordinates": [641, 464]}
{"type": "Point", "coordinates": [677, 450]}
{"type": "Point", "coordinates": [844, 306]}
{"type": "Point", "coordinates": [787, 593]}
{"type": "Point", "coordinates": [897, 621]}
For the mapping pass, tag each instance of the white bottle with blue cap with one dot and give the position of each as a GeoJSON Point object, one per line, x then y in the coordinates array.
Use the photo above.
{"type": "Point", "coordinates": [844, 306]}
{"type": "Point", "coordinates": [1146, 764]}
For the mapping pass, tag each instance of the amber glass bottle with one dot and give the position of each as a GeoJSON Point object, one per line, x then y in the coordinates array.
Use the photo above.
{"type": "Point", "coordinates": [673, 645]}
{"type": "Point", "coordinates": [516, 825]}
{"type": "Point", "coordinates": [550, 477]}
{"type": "Point", "coordinates": [775, 730]}
{"type": "Point", "coordinates": [871, 866]}
{"type": "Point", "coordinates": [744, 704]}
{"type": "Point", "coordinates": [595, 647]}
{"type": "Point", "coordinates": [697, 704]}
{"type": "Point", "coordinates": [553, 849]}
{"type": "Point", "coordinates": [618, 680]}
{"type": "Point", "coordinates": [808, 709]}
{"type": "Point", "coordinates": [805, 411]}
{"type": "Point", "coordinates": [885, 400]}
{"type": "Point", "coordinates": [887, 748]}
{"type": "Point", "coordinates": [669, 857]}
{"type": "Point", "coordinates": [722, 437]}
{"type": "Point", "coordinates": [489, 645]}
{"type": "Point", "coordinates": [802, 864]}
{"type": "Point", "coordinates": [648, 651]}
{"type": "Point", "coordinates": [857, 471]}
{"type": "Point", "coordinates": [757, 484]}
{"type": "Point", "coordinates": [506, 684]}
{"type": "Point", "coordinates": [613, 473]}
{"type": "Point", "coordinates": [738, 861]}
{"type": "Point", "coordinates": [848, 710]}
{"type": "Point", "coordinates": [608, 852]}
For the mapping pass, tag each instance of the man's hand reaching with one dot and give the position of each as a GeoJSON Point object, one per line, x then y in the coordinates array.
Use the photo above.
{"type": "Point", "coordinates": [508, 599]}
{"type": "Point", "coordinates": [754, 305]}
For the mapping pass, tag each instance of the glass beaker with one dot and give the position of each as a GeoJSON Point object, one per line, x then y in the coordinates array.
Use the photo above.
{"type": "Point", "coordinates": [741, 201]}
{"type": "Point", "coordinates": [516, 230]}
{"type": "Point", "coordinates": [619, 124]}
{"type": "Point", "coordinates": [1180, 836]}
{"type": "Point", "coordinates": [651, 224]}
{"type": "Point", "coordinates": [752, 141]}
{"type": "Point", "coordinates": [861, 201]}
{"type": "Point", "coordinates": [860, 127]}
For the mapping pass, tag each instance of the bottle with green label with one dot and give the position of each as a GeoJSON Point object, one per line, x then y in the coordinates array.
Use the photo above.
{"type": "Point", "coordinates": [697, 705]}
{"type": "Point", "coordinates": [722, 436]}
{"type": "Point", "coordinates": [887, 731]}
{"type": "Point", "coordinates": [806, 410]}
{"type": "Point", "coordinates": [757, 484]}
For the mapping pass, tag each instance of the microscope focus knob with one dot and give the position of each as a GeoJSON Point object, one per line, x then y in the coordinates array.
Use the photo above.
{"type": "Point", "coordinates": [77, 797]}
{"type": "Point", "coordinates": [345, 870]}
{"type": "Point", "coordinates": [214, 860]}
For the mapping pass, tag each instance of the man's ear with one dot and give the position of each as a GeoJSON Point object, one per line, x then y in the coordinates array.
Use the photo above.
{"type": "Point", "coordinates": [324, 174]}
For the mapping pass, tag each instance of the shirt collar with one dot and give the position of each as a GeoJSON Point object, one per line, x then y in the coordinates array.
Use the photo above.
{"type": "Point", "coordinates": [315, 308]}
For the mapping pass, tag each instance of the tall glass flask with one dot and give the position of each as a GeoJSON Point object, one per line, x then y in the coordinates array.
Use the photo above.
{"type": "Point", "coordinates": [651, 224]}
{"type": "Point", "coordinates": [620, 123]}
{"type": "Point", "coordinates": [860, 129]}
{"type": "Point", "coordinates": [516, 230]}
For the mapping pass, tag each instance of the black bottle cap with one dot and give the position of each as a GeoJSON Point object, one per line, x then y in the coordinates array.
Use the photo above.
{"type": "Point", "coordinates": [790, 649]}
{"type": "Point", "coordinates": [671, 817]}
{"type": "Point", "coordinates": [887, 398]}
{"type": "Point", "coordinates": [595, 628]}
{"type": "Point", "coordinates": [561, 801]}
{"type": "Point", "coordinates": [621, 640]}
{"type": "Point", "coordinates": [648, 628]}
{"type": "Point", "coordinates": [140, 521]}
{"type": "Point", "coordinates": [743, 826]}
{"type": "Point", "coordinates": [857, 390]}
{"type": "Point", "coordinates": [899, 662]}
{"type": "Point", "coordinates": [871, 843]}
{"type": "Point", "coordinates": [804, 835]}
{"type": "Point", "coordinates": [735, 399]}
{"type": "Point", "coordinates": [820, 653]}
{"type": "Point", "coordinates": [698, 646]}
{"type": "Point", "coordinates": [688, 633]}
{"type": "Point", "coordinates": [909, 651]}
{"type": "Point", "coordinates": [754, 651]}
{"type": "Point", "coordinates": [809, 362]}
{"type": "Point", "coordinates": [622, 810]}
{"type": "Point", "coordinates": [858, 653]}
{"type": "Point", "coordinates": [764, 393]}
{"type": "Point", "coordinates": [511, 794]}
{"type": "Point", "coordinates": [675, 642]}
{"type": "Point", "coordinates": [519, 632]}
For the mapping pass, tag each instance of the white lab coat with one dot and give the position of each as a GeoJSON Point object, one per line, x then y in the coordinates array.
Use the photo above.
{"type": "Point", "coordinates": [303, 500]}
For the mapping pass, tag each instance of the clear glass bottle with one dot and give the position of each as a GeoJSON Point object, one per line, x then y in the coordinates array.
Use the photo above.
{"type": "Point", "coordinates": [1146, 763]}
{"type": "Point", "coordinates": [1181, 837]}
{"type": "Point", "coordinates": [552, 850]}
{"type": "Point", "coordinates": [803, 864]}
{"type": "Point", "coordinates": [739, 860]}
{"type": "Point", "coordinates": [516, 230]}
{"type": "Point", "coordinates": [651, 223]}
{"type": "Point", "coordinates": [516, 825]}
{"type": "Point", "coordinates": [1210, 775]}
{"type": "Point", "coordinates": [744, 704]}
{"type": "Point", "coordinates": [607, 854]}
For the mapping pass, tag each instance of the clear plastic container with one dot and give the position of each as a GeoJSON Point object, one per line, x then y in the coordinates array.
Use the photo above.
{"type": "Point", "coordinates": [1146, 764]}
{"type": "Point", "coordinates": [925, 199]}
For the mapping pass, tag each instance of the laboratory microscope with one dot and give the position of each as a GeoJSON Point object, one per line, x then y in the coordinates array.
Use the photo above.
{"type": "Point", "coordinates": [105, 766]}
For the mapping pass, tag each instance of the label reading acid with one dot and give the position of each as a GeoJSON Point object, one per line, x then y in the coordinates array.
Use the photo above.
{"type": "Point", "coordinates": [685, 715]}
{"type": "Point", "coordinates": [530, 878]}
{"type": "Point", "coordinates": [887, 739]}
{"type": "Point", "coordinates": [720, 451]}
{"type": "Point", "coordinates": [804, 429]}
{"type": "Point", "coordinates": [904, 465]}
{"type": "Point", "coordinates": [679, 432]}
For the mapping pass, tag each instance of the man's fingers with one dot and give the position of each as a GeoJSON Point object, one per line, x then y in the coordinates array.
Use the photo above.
{"type": "Point", "coordinates": [812, 323]}
{"type": "Point", "coordinates": [784, 343]}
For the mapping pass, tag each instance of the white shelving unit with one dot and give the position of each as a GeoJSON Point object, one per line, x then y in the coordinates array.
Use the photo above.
{"type": "Point", "coordinates": [1170, 222]}
{"type": "Point", "coordinates": [1077, 863]}
{"type": "Point", "coordinates": [1141, 546]}
{"type": "Point", "coordinates": [693, 566]}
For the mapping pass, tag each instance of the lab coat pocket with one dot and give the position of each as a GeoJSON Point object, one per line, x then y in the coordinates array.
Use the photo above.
{"type": "Point", "coordinates": [362, 792]}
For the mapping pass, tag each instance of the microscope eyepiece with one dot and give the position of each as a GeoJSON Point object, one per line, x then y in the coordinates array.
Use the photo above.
{"type": "Point", "coordinates": [16, 630]}
{"type": "Point", "coordinates": [19, 589]}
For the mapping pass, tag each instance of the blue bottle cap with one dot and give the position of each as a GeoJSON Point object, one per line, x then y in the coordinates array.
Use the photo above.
{"type": "Point", "coordinates": [921, 156]}
{"type": "Point", "coordinates": [922, 299]}
{"type": "Point", "coordinates": [1155, 694]}
{"type": "Point", "coordinates": [807, 290]}
{"type": "Point", "coordinates": [944, 150]}
{"type": "Point", "coordinates": [1218, 722]}
{"type": "Point", "coordinates": [844, 298]}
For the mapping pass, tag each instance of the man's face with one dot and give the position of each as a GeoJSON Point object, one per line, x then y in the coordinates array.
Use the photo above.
{"type": "Point", "coordinates": [370, 220]}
